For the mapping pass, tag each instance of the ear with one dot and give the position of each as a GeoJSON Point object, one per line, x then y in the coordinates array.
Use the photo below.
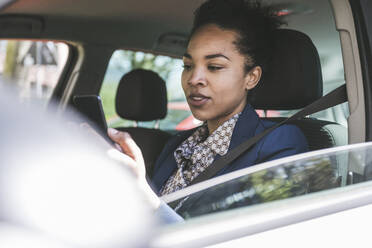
{"type": "Point", "coordinates": [253, 77]}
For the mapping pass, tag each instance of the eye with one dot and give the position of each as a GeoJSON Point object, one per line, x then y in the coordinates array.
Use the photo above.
{"type": "Point", "coordinates": [214, 67]}
{"type": "Point", "coordinates": [186, 67]}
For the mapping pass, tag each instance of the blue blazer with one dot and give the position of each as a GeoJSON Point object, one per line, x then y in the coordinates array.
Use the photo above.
{"type": "Point", "coordinates": [283, 141]}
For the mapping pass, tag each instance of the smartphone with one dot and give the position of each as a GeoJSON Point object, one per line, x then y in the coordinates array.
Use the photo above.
{"type": "Point", "coordinates": [91, 107]}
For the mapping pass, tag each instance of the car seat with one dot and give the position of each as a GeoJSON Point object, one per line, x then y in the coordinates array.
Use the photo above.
{"type": "Point", "coordinates": [293, 80]}
{"type": "Point", "coordinates": [142, 96]}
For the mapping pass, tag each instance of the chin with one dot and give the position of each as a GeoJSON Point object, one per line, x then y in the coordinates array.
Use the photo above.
{"type": "Point", "coordinates": [201, 115]}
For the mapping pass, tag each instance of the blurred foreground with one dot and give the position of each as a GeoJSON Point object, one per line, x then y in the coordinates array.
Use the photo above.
{"type": "Point", "coordinates": [59, 188]}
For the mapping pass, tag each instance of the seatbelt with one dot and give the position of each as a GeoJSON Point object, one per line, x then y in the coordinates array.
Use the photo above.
{"type": "Point", "coordinates": [333, 98]}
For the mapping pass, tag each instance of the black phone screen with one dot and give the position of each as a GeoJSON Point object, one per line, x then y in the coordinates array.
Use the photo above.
{"type": "Point", "coordinates": [91, 107]}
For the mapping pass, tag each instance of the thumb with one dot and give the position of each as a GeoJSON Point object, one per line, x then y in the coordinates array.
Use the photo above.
{"type": "Point", "coordinates": [126, 143]}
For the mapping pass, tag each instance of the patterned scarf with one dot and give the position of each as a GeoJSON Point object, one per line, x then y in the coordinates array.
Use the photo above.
{"type": "Point", "coordinates": [197, 152]}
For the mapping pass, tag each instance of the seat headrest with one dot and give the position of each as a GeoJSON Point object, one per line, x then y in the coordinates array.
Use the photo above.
{"type": "Point", "coordinates": [141, 96]}
{"type": "Point", "coordinates": [293, 78]}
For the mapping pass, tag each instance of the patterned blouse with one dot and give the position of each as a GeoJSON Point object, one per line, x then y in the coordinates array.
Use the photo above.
{"type": "Point", "coordinates": [197, 152]}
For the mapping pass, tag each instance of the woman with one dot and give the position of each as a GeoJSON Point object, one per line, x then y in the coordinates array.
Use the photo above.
{"type": "Point", "coordinates": [226, 55]}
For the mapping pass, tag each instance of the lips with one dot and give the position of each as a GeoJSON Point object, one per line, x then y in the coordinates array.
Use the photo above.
{"type": "Point", "coordinates": [197, 99]}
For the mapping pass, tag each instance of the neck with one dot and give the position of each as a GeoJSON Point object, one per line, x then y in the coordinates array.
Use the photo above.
{"type": "Point", "coordinates": [212, 126]}
{"type": "Point", "coordinates": [215, 123]}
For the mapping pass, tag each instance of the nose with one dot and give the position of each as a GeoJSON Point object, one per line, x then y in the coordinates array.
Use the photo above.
{"type": "Point", "coordinates": [196, 77]}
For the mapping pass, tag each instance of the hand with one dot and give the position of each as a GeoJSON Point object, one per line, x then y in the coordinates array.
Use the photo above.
{"type": "Point", "coordinates": [125, 144]}
{"type": "Point", "coordinates": [131, 155]}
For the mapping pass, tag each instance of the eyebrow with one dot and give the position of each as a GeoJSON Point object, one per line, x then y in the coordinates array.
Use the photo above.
{"type": "Point", "coordinates": [210, 56]}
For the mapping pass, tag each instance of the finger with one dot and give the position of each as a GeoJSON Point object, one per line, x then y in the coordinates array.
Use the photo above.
{"type": "Point", "coordinates": [124, 140]}
{"type": "Point", "coordinates": [132, 146]}
{"type": "Point", "coordinates": [117, 146]}
{"type": "Point", "coordinates": [129, 147]}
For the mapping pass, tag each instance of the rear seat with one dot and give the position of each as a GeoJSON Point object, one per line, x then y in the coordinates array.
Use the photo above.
{"type": "Point", "coordinates": [142, 96]}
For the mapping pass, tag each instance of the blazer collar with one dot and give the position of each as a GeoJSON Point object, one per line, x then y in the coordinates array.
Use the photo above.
{"type": "Point", "coordinates": [168, 163]}
{"type": "Point", "coordinates": [245, 127]}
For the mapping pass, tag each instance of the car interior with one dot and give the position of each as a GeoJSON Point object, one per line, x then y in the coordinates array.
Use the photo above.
{"type": "Point", "coordinates": [307, 62]}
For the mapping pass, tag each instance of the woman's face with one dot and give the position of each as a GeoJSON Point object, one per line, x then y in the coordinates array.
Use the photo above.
{"type": "Point", "coordinates": [213, 79]}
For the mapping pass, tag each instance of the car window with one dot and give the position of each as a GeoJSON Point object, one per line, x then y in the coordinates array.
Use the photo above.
{"type": "Point", "coordinates": [34, 67]}
{"type": "Point", "coordinates": [179, 116]}
{"type": "Point", "coordinates": [283, 181]}
{"type": "Point", "coordinates": [122, 61]}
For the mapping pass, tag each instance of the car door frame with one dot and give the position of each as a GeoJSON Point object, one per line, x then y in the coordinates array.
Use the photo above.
{"type": "Point", "coordinates": [345, 25]}
{"type": "Point", "coordinates": [363, 27]}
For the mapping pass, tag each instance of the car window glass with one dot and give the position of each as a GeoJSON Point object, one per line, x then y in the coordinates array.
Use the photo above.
{"type": "Point", "coordinates": [286, 180]}
{"type": "Point", "coordinates": [33, 67]}
{"type": "Point", "coordinates": [178, 117]}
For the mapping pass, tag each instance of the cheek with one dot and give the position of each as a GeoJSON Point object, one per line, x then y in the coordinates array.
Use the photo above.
{"type": "Point", "coordinates": [228, 86]}
{"type": "Point", "coordinates": [229, 91]}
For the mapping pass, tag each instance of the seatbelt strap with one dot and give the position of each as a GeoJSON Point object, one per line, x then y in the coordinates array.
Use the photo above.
{"type": "Point", "coordinates": [333, 98]}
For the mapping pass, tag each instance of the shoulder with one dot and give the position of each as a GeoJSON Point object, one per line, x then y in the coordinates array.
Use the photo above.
{"type": "Point", "coordinates": [283, 141]}
{"type": "Point", "coordinates": [286, 133]}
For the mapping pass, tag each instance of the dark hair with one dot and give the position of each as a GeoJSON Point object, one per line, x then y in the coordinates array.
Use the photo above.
{"type": "Point", "coordinates": [254, 23]}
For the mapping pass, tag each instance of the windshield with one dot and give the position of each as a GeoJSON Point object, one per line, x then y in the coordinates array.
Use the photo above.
{"type": "Point", "coordinates": [321, 172]}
